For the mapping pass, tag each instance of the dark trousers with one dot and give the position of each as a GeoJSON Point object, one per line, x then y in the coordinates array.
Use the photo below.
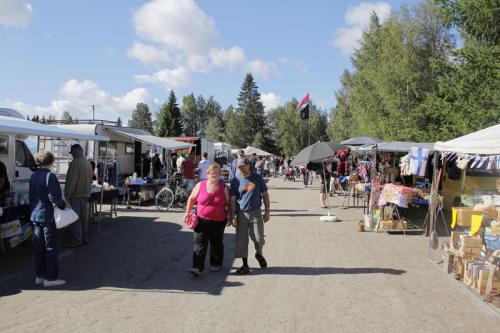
{"type": "Point", "coordinates": [306, 177]}
{"type": "Point", "coordinates": [46, 250]}
{"type": "Point", "coordinates": [213, 232]}
{"type": "Point", "coordinates": [80, 228]}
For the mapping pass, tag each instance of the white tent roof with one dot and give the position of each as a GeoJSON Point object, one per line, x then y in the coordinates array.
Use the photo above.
{"type": "Point", "coordinates": [25, 127]}
{"type": "Point", "coordinates": [485, 141]}
{"type": "Point", "coordinates": [259, 152]}
{"type": "Point", "coordinates": [148, 138]}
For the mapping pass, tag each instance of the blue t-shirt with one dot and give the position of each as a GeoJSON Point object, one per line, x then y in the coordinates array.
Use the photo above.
{"type": "Point", "coordinates": [248, 191]}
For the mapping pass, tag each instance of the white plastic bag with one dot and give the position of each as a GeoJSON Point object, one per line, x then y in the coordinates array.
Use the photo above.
{"type": "Point", "coordinates": [62, 217]}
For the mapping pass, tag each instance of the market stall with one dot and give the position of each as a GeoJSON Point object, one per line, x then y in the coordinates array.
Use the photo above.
{"type": "Point", "coordinates": [472, 253]}
{"type": "Point", "coordinates": [19, 164]}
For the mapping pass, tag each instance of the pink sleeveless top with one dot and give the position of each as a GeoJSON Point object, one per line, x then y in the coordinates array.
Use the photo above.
{"type": "Point", "coordinates": [212, 207]}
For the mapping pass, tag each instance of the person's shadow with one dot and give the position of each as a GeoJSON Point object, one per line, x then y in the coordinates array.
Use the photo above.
{"type": "Point", "coordinates": [134, 254]}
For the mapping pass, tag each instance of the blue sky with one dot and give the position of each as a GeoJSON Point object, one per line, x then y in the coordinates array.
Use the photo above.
{"type": "Point", "coordinates": [66, 55]}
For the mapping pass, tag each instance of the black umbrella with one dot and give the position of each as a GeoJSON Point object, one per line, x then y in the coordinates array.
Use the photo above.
{"type": "Point", "coordinates": [317, 152]}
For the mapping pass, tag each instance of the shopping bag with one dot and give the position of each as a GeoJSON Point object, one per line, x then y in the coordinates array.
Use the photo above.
{"type": "Point", "coordinates": [62, 217]}
{"type": "Point", "coordinates": [192, 221]}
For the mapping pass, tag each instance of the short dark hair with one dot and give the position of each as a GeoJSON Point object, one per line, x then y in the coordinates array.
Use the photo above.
{"type": "Point", "coordinates": [205, 154]}
{"type": "Point", "coordinates": [44, 158]}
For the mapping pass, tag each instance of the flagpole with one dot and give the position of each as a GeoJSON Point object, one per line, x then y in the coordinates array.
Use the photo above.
{"type": "Point", "coordinates": [309, 122]}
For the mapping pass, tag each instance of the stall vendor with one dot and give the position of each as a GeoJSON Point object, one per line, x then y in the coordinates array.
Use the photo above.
{"type": "Point", "coordinates": [146, 165]}
{"type": "Point", "coordinates": [4, 181]}
{"type": "Point", "coordinates": [156, 166]}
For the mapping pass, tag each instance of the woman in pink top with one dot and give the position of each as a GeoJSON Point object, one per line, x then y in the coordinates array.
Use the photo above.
{"type": "Point", "coordinates": [211, 197]}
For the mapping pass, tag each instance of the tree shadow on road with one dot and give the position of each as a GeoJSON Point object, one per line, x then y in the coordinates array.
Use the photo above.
{"type": "Point", "coordinates": [131, 253]}
{"type": "Point", "coordinates": [325, 271]}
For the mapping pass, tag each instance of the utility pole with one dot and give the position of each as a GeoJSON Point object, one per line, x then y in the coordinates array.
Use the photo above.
{"type": "Point", "coordinates": [93, 112]}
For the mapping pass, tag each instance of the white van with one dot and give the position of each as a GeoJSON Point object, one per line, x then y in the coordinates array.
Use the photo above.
{"type": "Point", "coordinates": [16, 156]}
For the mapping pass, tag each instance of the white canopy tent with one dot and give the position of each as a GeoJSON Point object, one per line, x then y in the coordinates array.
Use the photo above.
{"type": "Point", "coordinates": [29, 128]}
{"type": "Point", "coordinates": [485, 142]}
{"type": "Point", "coordinates": [259, 152]}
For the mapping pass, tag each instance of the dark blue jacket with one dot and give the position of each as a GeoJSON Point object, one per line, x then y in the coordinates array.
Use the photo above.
{"type": "Point", "coordinates": [42, 197]}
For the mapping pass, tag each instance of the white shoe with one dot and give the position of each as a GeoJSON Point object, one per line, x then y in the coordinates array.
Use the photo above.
{"type": "Point", "coordinates": [195, 271]}
{"type": "Point", "coordinates": [53, 283]}
{"type": "Point", "coordinates": [39, 281]}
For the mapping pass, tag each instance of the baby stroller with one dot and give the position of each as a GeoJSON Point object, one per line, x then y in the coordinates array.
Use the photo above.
{"type": "Point", "coordinates": [290, 174]}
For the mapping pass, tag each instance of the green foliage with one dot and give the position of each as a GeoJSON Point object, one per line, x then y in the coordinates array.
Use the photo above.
{"type": "Point", "coordinates": [190, 115]}
{"type": "Point", "coordinates": [232, 128]}
{"type": "Point", "coordinates": [141, 118]}
{"type": "Point", "coordinates": [169, 118]}
{"type": "Point", "coordinates": [251, 118]}
{"type": "Point", "coordinates": [66, 117]}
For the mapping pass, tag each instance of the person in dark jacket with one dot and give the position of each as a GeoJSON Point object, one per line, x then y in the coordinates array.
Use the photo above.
{"type": "Point", "coordinates": [77, 192]}
{"type": "Point", "coordinates": [45, 192]}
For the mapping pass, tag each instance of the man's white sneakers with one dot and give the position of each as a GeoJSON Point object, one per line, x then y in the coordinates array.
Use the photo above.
{"type": "Point", "coordinates": [39, 281]}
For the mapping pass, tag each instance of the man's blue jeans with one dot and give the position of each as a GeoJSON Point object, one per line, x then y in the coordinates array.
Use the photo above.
{"type": "Point", "coordinates": [46, 250]}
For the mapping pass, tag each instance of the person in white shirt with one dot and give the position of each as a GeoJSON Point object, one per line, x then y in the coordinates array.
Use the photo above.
{"type": "Point", "coordinates": [203, 166]}
{"type": "Point", "coordinates": [179, 162]}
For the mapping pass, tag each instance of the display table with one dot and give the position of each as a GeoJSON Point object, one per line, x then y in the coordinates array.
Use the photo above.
{"type": "Point", "coordinates": [142, 191]}
{"type": "Point", "coordinates": [109, 197]}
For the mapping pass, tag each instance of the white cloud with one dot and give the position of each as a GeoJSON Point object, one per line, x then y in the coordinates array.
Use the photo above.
{"type": "Point", "coordinates": [178, 24]}
{"type": "Point", "coordinates": [357, 19]}
{"type": "Point", "coordinates": [76, 97]}
{"type": "Point", "coordinates": [270, 100]}
{"type": "Point", "coordinates": [15, 13]}
{"type": "Point", "coordinates": [169, 78]}
{"type": "Point", "coordinates": [180, 38]}
{"type": "Point", "coordinates": [262, 69]}
{"type": "Point", "coordinates": [294, 62]}
{"type": "Point", "coordinates": [149, 54]}
{"type": "Point", "coordinates": [230, 58]}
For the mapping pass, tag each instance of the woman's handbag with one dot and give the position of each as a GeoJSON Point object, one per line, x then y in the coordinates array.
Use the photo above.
{"type": "Point", "coordinates": [192, 221]}
{"type": "Point", "coordinates": [62, 217]}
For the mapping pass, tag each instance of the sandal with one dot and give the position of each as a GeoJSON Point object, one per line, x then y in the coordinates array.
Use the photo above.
{"type": "Point", "coordinates": [242, 270]}
{"type": "Point", "coordinates": [262, 261]}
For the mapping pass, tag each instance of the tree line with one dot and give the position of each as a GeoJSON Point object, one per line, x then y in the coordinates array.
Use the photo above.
{"type": "Point", "coordinates": [281, 130]}
{"type": "Point", "coordinates": [411, 82]}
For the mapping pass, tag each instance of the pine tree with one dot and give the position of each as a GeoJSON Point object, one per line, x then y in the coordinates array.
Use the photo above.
{"type": "Point", "coordinates": [202, 115]}
{"type": "Point", "coordinates": [232, 131]}
{"type": "Point", "coordinates": [169, 119]}
{"type": "Point", "coordinates": [141, 118]}
{"type": "Point", "coordinates": [119, 122]}
{"type": "Point", "coordinates": [66, 118]}
{"type": "Point", "coordinates": [250, 111]}
{"type": "Point", "coordinates": [190, 115]}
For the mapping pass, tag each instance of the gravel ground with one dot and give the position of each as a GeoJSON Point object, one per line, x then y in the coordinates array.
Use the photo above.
{"type": "Point", "coordinates": [322, 277]}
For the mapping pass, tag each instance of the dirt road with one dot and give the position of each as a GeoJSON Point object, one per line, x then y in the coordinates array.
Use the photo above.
{"type": "Point", "coordinates": [322, 277]}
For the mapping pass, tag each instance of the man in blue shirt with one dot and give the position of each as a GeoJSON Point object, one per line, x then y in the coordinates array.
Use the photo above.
{"type": "Point", "coordinates": [248, 190]}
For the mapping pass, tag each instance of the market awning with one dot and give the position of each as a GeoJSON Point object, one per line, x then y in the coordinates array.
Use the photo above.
{"type": "Point", "coordinates": [361, 141]}
{"type": "Point", "coordinates": [30, 128]}
{"type": "Point", "coordinates": [151, 139]}
{"type": "Point", "coordinates": [403, 147]}
{"type": "Point", "coordinates": [485, 141]}
{"type": "Point", "coordinates": [259, 152]}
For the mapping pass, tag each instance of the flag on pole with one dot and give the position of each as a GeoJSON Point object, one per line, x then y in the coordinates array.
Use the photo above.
{"type": "Point", "coordinates": [303, 107]}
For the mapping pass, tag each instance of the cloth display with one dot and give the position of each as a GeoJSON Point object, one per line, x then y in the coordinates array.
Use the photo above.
{"type": "Point", "coordinates": [418, 160]}
{"type": "Point", "coordinates": [396, 194]}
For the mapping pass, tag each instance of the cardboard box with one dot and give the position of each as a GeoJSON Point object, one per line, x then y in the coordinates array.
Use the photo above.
{"type": "Point", "coordinates": [393, 225]}
{"type": "Point", "coordinates": [462, 244]}
{"type": "Point", "coordinates": [464, 215]}
{"type": "Point", "coordinates": [478, 282]}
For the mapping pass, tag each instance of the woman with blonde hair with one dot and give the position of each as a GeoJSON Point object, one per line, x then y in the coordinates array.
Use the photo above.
{"type": "Point", "coordinates": [211, 197]}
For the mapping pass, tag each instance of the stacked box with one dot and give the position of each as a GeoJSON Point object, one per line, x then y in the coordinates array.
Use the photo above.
{"type": "Point", "coordinates": [479, 282]}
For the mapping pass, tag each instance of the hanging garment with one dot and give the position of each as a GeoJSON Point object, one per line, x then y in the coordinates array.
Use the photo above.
{"type": "Point", "coordinates": [418, 160]}
{"type": "Point", "coordinates": [404, 166]}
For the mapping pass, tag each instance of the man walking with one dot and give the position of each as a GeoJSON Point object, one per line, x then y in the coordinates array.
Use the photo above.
{"type": "Point", "coordinates": [248, 189]}
{"type": "Point", "coordinates": [77, 193]}
{"type": "Point", "coordinates": [203, 166]}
